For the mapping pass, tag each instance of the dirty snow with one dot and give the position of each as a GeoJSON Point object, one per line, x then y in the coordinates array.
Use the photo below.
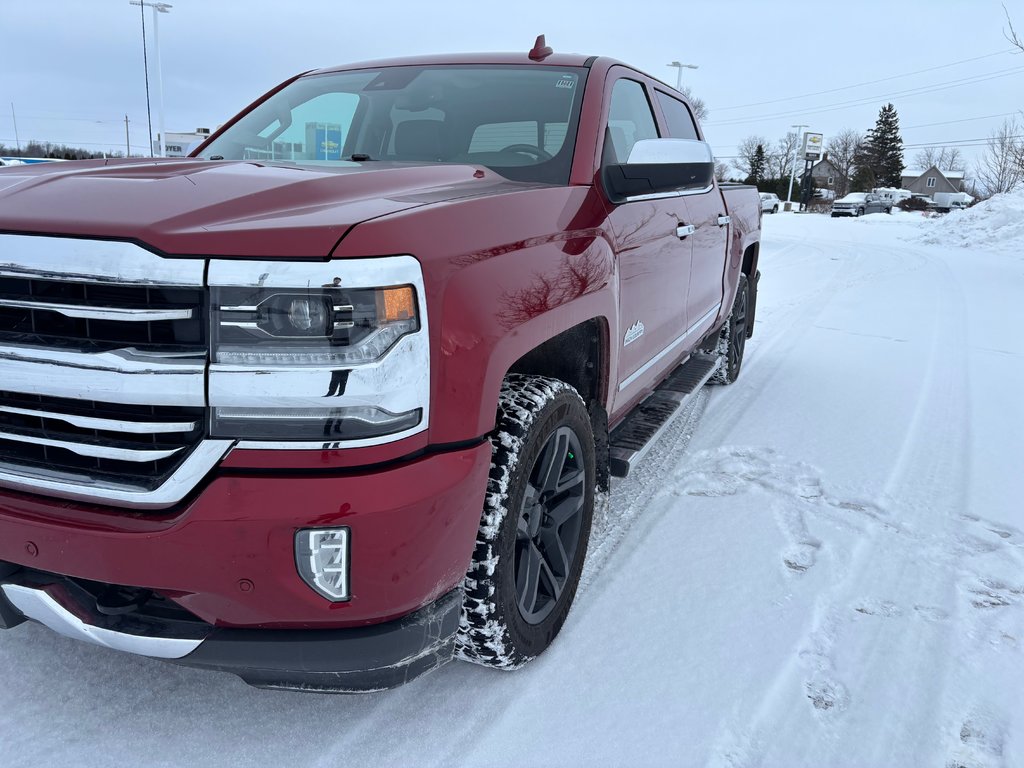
{"type": "Point", "coordinates": [822, 564]}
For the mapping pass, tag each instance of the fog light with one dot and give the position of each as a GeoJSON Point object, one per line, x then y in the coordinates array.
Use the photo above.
{"type": "Point", "coordinates": [322, 558]}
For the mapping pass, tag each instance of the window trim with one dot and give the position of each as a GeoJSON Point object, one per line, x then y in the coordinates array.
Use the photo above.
{"type": "Point", "coordinates": [930, 183]}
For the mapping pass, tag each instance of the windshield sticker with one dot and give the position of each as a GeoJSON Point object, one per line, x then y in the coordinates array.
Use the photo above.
{"type": "Point", "coordinates": [566, 81]}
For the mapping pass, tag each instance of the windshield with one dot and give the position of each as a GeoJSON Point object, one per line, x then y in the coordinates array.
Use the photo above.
{"type": "Point", "coordinates": [517, 120]}
{"type": "Point", "coordinates": [854, 197]}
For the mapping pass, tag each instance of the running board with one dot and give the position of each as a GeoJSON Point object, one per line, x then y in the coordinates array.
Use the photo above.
{"type": "Point", "coordinates": [629, 442]}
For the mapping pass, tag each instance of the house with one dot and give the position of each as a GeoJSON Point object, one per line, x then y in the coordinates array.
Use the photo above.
{"type": "Point", "coordinates": [827, 176]}
{"type": "Point", "coordinates": [931, 180]}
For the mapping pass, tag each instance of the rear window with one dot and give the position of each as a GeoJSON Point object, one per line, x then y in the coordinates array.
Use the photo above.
{"type": "Point", "coordinates": [517, 120]}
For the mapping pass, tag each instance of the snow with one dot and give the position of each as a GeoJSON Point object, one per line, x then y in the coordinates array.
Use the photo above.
{"type": "Point", "coordinates": [997, 223]}
{"type": "Point", "coordinates": [821, 564]}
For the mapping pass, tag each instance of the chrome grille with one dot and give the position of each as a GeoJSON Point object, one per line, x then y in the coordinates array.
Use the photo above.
{"type": "Point", "coordinates": [103, 351]}
{"type": "Point", "coordinates": [99, 317]}
{"type": "Point", "coordinates": [105, 441]}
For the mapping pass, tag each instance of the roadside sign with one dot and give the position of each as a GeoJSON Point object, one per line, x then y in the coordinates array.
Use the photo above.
{"type": "Point", "coordinates": [813, 143]}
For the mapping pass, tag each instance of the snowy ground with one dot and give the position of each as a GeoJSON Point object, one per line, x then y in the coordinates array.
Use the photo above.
{"type": "Point", "coordinates": [821, 565]}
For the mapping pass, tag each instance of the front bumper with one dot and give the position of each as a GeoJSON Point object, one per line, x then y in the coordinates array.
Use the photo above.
{"type": "Point", "coordinates": [229, 557]}
{"type": "Point", "coordinates": [359, 659]}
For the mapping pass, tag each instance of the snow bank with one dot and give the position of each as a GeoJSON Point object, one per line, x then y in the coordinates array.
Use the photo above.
{"type": "Point", "coordinates": [996, 223]}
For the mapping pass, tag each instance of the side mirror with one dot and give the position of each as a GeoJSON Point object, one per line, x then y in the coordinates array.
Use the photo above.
{"type": "Point", "coordinates": [661, 166]}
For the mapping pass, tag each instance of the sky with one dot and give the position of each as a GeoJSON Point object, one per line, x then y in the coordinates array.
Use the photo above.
{"type": "Point", "coordinates": [71, 70]}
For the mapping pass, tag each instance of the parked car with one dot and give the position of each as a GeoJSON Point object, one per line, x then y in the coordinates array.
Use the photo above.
{"type": "Point", "coordinates": [769, 202]}
{"type": "Point", "coordinates": [951, 201]}
{"type": "Point", "coordinates": [859, 204]}
{"type": "Point", "coordinates": [327, 403]}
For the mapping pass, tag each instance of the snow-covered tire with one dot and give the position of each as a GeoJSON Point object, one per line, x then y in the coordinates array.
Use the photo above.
{"type": "Point", "coordinates": [542, 423]}
{"type": "Point", "coordinates": [775, 209]}
{"type": "Point", "coordinates": [733, 338]}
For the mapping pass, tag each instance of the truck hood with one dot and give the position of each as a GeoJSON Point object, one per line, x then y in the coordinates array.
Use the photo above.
{"type": "Point", "coordinates": [209, 208]}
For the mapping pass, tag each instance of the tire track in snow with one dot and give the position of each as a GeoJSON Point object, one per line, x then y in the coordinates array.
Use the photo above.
{"type": "Point", "coordinates": [880, 563]}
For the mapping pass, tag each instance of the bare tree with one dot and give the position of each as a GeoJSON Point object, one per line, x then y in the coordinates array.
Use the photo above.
{"type": "Point", "coordinates": [952, 160]}
{"type": "Point", "coordinates": [700, 109]}
{"type": "Point", "coordinates": [842, 150]}
{"type": "Point", "coordinates": [1001, 168]}
{"type": "Point", "coordinates": [780, 157]}
{"type": "Point", "coordinates": [943, 158]}
{"type": "Point", "coordinates": [746, 152]}
{"type": "Point", "coordinates": [926, 158]}
{"type": "Point", "coordinates": [1011, 34]}
{"type": "Point", "coordinates": [721, 170]}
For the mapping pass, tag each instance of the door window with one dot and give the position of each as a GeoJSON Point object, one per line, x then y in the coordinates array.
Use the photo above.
{"type": "Point", "coordinates": [630, 119]}
{"type": "Point", "coordinates": [677, 117]}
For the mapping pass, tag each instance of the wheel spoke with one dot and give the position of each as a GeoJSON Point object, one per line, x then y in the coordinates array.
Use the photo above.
{"type": "Point", "coordinates": [554, 583]}
{"type": "Point", "coordinates": [563, 511]}
{"type": "Point", "coordinates": [556, 559]}
{"type": "Point", "coordinates": [552, 461]}
{"type": "Point", "coordinates": [570, 480]}
{"type": "Point", "coordinates": [523, 528]}
{"type": "Point", "coordinates": [531, 562]}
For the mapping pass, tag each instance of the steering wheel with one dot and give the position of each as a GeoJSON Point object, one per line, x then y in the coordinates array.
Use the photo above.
{"type": "Point", "coordinates": [529, 149]}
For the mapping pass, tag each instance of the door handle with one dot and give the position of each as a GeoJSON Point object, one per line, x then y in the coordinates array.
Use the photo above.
{"type": "Point", "coordinates": [724, 220]}
{"type": "Point", "coordinates": [685, 230]}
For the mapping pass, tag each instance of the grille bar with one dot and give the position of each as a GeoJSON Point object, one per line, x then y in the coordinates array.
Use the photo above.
{"type": "Point", "coordinates": [93, 450]}
{"type": "Point", "coordinates": [108, 425]}
{"type": "Point", "coordinates": [121, 314]}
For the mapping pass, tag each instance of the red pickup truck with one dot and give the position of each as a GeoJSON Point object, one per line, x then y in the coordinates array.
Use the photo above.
{"type": "Point", "coordinates": [327, 403]}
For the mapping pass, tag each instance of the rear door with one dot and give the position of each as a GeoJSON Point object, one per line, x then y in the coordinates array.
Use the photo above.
{"type": "Point", "coordinates": [705, 209]}
{"type": "Point", "coordinates": [654, 261]}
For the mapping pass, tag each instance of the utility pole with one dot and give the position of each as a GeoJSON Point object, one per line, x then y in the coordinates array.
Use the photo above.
{"type": "Point", "coordinates": [792, 169]}
{"type": "Point", "coordinates": [157, 9]}
{"type": "Point", "coordinates": [679, 72]}
{"type": "Point", "coordinates": [127, 140]}
{"type": "Point", "coordinates": [15, 119]}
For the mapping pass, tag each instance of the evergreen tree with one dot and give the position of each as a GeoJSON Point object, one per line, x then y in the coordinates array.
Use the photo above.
{"type": "Point", "coordinates": [757, 166]}
{"type": "Point", "coordinates": [882, 157]}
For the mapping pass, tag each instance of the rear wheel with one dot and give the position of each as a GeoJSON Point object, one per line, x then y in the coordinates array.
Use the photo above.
{"type": "Point", "coordinates": [733, 338]}
{"type": "Point", "coordinates": [535, 524]}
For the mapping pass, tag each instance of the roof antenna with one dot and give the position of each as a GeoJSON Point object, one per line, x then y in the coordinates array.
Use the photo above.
{"type": "Point", "coordinates": [541, 50]}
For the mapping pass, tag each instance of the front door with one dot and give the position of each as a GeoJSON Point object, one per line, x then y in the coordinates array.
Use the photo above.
{"type": "Point", "coordinates": [653, 248]}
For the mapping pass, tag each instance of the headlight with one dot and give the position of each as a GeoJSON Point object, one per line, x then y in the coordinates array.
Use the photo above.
{"type": "Point", "coordinates": [323, 327]}
{"type": "Point", "coordinates": [318, 355]}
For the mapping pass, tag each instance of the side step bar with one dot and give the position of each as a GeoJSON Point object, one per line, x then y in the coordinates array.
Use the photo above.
{"type": "Point", "coordinates": [632, 439]}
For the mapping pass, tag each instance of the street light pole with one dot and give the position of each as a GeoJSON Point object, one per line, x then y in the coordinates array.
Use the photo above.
{"type": "Point", "coordinates": [679, 72]}
{"type": "Point", "coordinates": [157, 9]}
{"type": "Point", "coordinates": [792, 168]}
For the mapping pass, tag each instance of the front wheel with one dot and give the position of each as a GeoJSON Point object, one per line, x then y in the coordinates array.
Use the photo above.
{"type": "Point", "coordinates": [733, 339]}
{"type": "Point", "coordinates": [535, 525]}
{"type": "Point", "coordinates": [860, 212]}
{"type": "Point", "coordinates": [775, 209]}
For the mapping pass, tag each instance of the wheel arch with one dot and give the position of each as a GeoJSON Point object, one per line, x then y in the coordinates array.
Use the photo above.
{"type": "Point", "coordinates": [579, 357]}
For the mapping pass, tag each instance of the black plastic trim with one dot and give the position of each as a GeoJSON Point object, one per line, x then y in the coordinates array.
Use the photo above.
{"type": "Point", "coordinates": [355, 660]}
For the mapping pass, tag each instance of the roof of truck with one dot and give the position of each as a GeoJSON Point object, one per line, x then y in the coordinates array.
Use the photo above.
{"type": "Point", "coordinates": [553, 60]}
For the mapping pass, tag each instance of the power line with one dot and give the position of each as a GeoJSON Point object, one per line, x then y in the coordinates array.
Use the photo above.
{"type": "Point", "coordinates": [980, 142]}
{"type": "Point", "coordinates": [919, 91]}
{"type": "Point", "coordinates": [950, 122]}
{"type": "Point", "coordinates": [867, 82]}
